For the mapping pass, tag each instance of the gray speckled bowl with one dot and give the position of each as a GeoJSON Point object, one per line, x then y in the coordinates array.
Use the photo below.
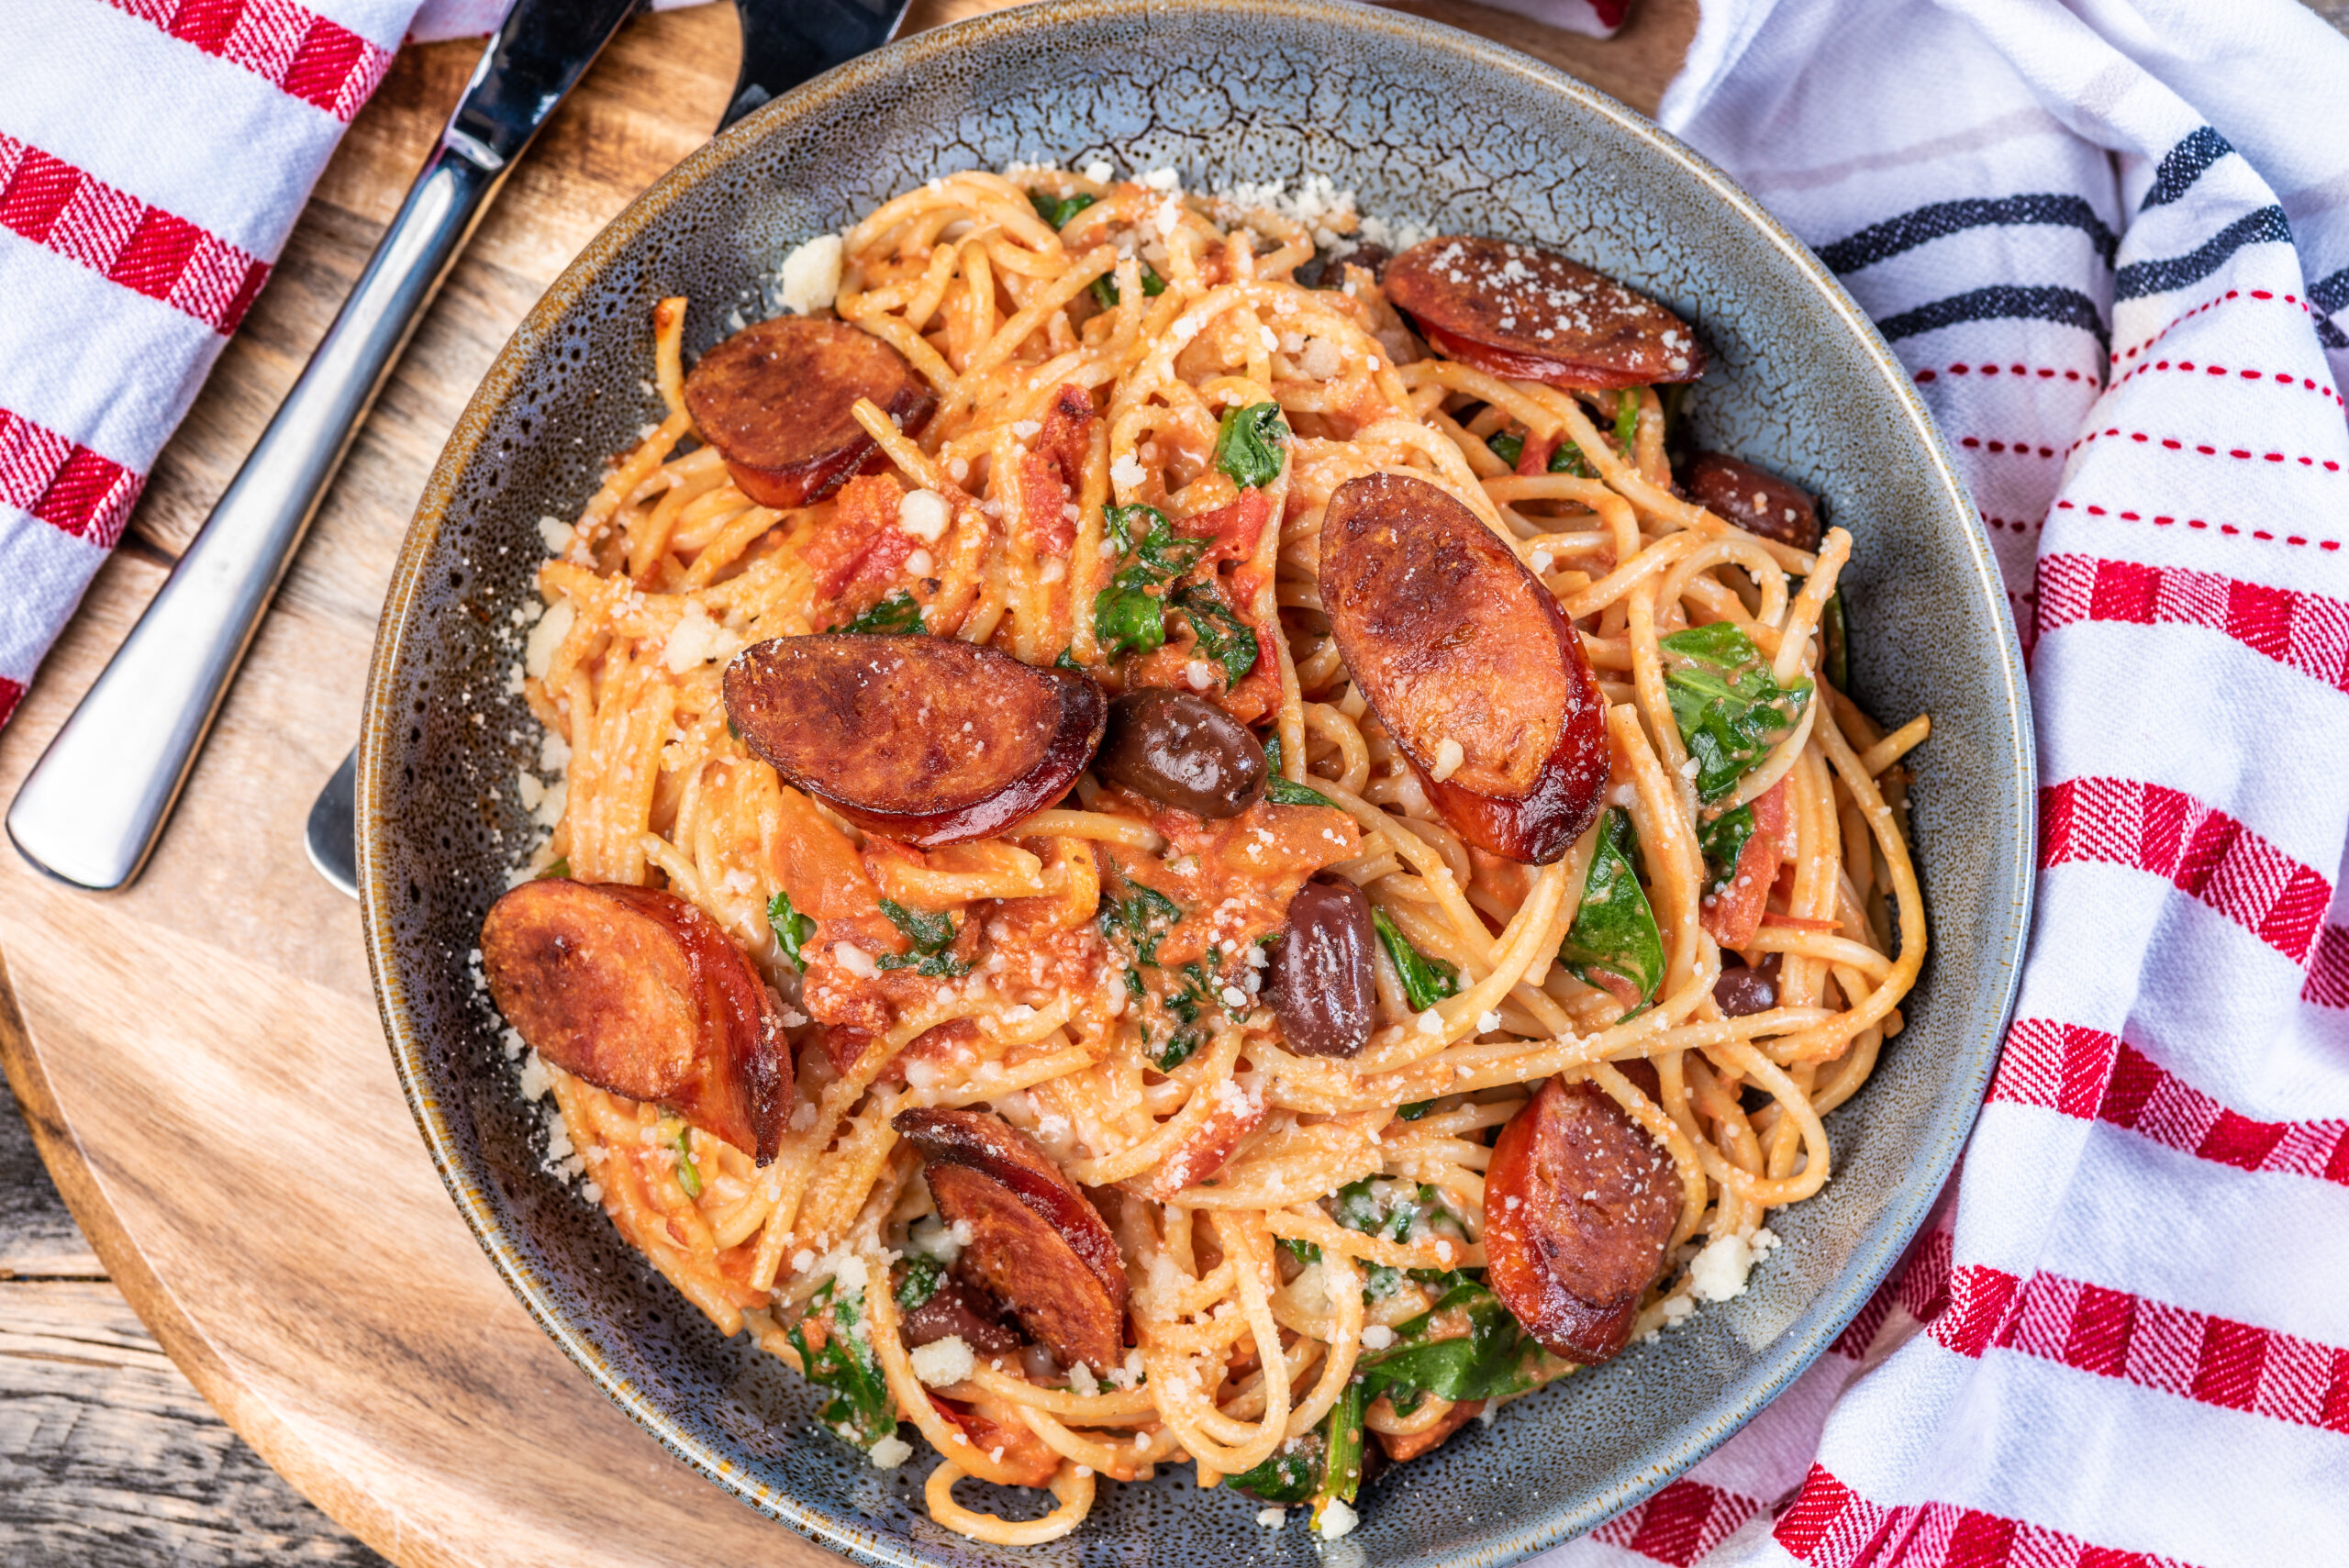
{"type": "Point", "coordinates": [1430, 126]}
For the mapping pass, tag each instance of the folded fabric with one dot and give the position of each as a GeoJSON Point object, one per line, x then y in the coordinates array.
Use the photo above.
{"type": "Point", "coordinates": [154, 157]}
{"type": "Point", "coordinates": [2111, 242]}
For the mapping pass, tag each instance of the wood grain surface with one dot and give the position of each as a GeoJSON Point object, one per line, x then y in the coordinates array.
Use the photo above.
{"type": "Point", "coordinates": [199, 1057]}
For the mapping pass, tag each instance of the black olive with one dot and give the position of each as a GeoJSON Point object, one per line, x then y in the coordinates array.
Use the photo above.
{"type": "Point", "coordinates": [1181, 750]}
{"type": "Point", "coordinates": [1740, 991]}
{"type": "Point", "coordinates": [1322, 986]}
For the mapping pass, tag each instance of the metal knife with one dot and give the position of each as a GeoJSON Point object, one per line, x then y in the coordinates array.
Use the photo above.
{"type": "Point", "coordinates": [785, 43]}
{"type": "Point", "coordinates": [91, 808]}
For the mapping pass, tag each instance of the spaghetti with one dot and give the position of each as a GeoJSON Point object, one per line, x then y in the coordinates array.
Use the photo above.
{"type": "Point", "coordinates": [1096, 977]}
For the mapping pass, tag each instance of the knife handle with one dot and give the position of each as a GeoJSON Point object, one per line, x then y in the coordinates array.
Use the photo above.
{"type": "Point", "coordinates": [91, 808]}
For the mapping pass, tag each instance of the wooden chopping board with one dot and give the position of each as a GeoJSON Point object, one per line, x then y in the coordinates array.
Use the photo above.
{"type": "Point", "coordinates": [200, 1056]}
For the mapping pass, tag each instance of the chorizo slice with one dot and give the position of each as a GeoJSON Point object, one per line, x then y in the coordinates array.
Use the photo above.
{"type": "Point", "coordinates": [1036, 1243]}
{"type": "Point", "coordinates": [1404, 1446]}
{"type": "Point", "coordinates": [1579, 1203]}
{"type": "Point", "coordinates": [1755, 500]}
{"type": "Point", "coordinates": [775, 399]}
{"type": "Point", "coordinates": [926, 741]}
{"type": "Point", "coordinates": [955, 1310]}
{"type": "Point", "coordinates": [1731, 913]}
{"type": "Point", "coordinates": [1521, 313]}
{"type": "Point", "coordinates": [639, 993]}
{"type": "Point", "coordinates": [1468, 662]}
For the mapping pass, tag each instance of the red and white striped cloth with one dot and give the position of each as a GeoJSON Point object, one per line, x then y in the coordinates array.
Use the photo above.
{"type": "Point", "coordinates": [2111, 240]}
{"type": "Point", "coordinates": [153, 156]}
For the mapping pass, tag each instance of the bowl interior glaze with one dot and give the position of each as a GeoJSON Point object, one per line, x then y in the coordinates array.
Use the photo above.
{"type": "Point", "coordinates": [1431, 126]}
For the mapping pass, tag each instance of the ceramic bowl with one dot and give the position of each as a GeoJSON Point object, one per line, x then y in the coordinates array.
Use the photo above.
{"type": "Point", "coordinates": [1429, 126]}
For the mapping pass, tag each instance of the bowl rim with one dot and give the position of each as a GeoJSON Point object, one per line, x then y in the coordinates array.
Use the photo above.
{"type": "Point", "coordinates": [1906, 1208]}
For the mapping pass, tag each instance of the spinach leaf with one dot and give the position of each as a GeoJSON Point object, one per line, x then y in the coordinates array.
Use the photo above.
{"type": "Point", "coordinates": [1289, 1475]}
{"type": "Point", "coordinates": [1305, 1253]}
{"type": "Point", "coordinates": [1379, 1282]}
{"type": "Point", "coordinates": [1342, 1449]}
{"type": "Point", "coordinates": [1414, 1111]}
{"type": "Point", "coordinates": [1730, 710]}
{"type": "Point", "coordinates": [1627, 420]}
{"type": "Point", "coordinates": [1380, 1205]}
{"type": "Point", "coordinates": [1186, 1007]}
{"type": "Point", "coordinates": [1224, 638]}
{"type": "Point", "coordinates": [1426, 980]}
{"type": "Point", "coordinates": [924, 1274]}
{"type": "Point", "coordinates": [895, 615]}
{"type": "Point", "coordinates": [861, 1409]}
{"type": "Point", "coordinates": [1288, 792]}
{"type": "Point", "coordinates": [931, 935]}
{"type": "Point", "coordinates": [1143, 917]}
{"type": "Point", "coordinates": [1835, 641]}
{"type": "Point", "coordinates": [1129, 616]}
{"type": "Point", "coordinates": [1058, 210]}
{"type": "Point", "coordinates": [1495, 1359]}
{"type": "Point", "coordinates": [1248, 444]}
{"type": "Point", "coordinates": [1614, 930]}
{"type": "Point", "coordinates": [1066, 659]}
{"type": "Point", "coordinates": [1564, 458]}
{"type": "Point", "coordinates": [792, 929]}
{"type": "Point", "coordinates": [688, 1173]}
{"type": "Point", "coordinates": [1723, 841]}
{"type": "Point", "coordinates": [1105, 287]}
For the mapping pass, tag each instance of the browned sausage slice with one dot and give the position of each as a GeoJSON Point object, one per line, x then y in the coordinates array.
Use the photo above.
{"type": "Point", "coordinates": [775, 399]}
{"type": "Point", "coordinates": [1760, 503]}
{"type": "Point", "coordinates": [923, 739]}
{"type": "Point", "coordinates": [1468, 662]}
{"type": "Point", "coordinates": [1525, 314]}
{"type": "Point", "coordinates": [1579, 1203]}
{"type": "Point", "coordinates": [1035, 1241]}
{"type": "Point", "coordinates": [639, 993]}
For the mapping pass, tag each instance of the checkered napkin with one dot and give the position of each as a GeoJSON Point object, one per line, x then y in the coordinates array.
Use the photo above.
{"type": "Point", "coordinates": [2110, 241]}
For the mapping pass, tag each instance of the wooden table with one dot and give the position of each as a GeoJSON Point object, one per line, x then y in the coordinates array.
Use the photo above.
{"type": "Point", "coordinates": [199, 1057]}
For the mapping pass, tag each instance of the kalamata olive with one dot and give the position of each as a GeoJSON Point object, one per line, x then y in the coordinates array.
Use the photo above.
{"type": "Point", "coordinates": [1178, 749]}
{"type": "Point", "coordinates": [1741, 992]}
{"type": "Point", "coordinates": [1323, 989]}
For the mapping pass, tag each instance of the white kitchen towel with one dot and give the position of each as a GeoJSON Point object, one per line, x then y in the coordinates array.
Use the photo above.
{"type": "Point", "coordinates": [154, 157]}
{"type": "Point", "coordinates": [2111, 242]}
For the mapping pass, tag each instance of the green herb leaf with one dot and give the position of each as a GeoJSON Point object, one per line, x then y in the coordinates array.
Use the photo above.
{"type": "Point", "coordinates": [688, 1173]}
{"type": "Point", "coordinates": [1730, 711]}
{"type": "Point", "coordinates": [861, 1409]}
{"type": "Point", "coordinates": [923, 1275]}
{"type": "Point", "coordinates": [1414, 1111]}
{"type": "Point", "coordinates": [1494, 1360]}
{"type": "Point", "coordinates": [1305, 1253]}
{"type": "Point", "coordinates": [1143, 917]}
{"type": "Point", "coordinates": [1129, 620]}
{"type": "Point", "coordinates": [1835, 641]}
{"type": "Point", "coordinates": [931, 935]}
{"type": "Point", "coordinates": [1248, 444]}
{"type": "Point", "coordinates": [1627, 420]}
{"type": "Point", "coordinates": [1379, 1282]}
{"type": "Point", "coordinates": [1564, 458]}
{"type": "Point", "coordinates": [1382, 1206]}
{"type": "Point", "coordinates": [1426, 980]}
{"type": "Point", "coordinates": [1289, 1475]}
{"type": "Point", "coordinates": [1508, 447]}
{"type": "Point", "coordinates": [1224, 638]}
{"type": "Point", "coordinates": [1614, 930]}
{"type": "Point", "coordinates": [559, 866]}
{"type": "Point", "coordinates": [1129, 616]}
{"type": "Point", "coordinates": [1342, 1449]}
{"type": "Point", "coordinates": [1105, 287]}
{"type": "Point", "coordinates": [1285, 791]}
{"type": "Point", "coordinates": [895, 615]}
{"type": "Point", "coordinates": [792, 929]}
{"type": "Point", "coordinates": [1058, 210]}
{"type": "Point", "coordinates": [1723, 841]}
{"type": "Point", "coordinates": [1066, 660]}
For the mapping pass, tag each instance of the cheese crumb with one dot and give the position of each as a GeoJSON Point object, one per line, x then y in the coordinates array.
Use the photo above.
{"type": "Point", "coordinates": [1272, 1519]}
{"type": "Point", "coordinates": [891, 1452]}
{"type": "Point", "coordinates": [855, 960]}
{"type": "Point", "coordinates": [1126, 473]}
{"type": "Point", "coordinates": [538, 651]}
{"type": "Point", "coordinates": [1336, 1519]}
{"type": "Point", "coordinates": [943, 1361]}
{"type": "Point", "coordinates": [1200, 673]}
{"type": "Point", "coordinates": [1430, 1022]}
{"type": "Point", "coordinates": [556, 535]}
{"type": "Point", "coordinates": [924, 514]}
{"type": "Point", "coordinates": [1719, 1272]}
{"type": "Point", "coordinates": [810, 278]}
{"type": "Point", "coordinates": [1376, 1337]}
{"type": "Point", "coordinates": [1448, 757]}
{"type": "Point", "coordinates": [1099, 172]}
